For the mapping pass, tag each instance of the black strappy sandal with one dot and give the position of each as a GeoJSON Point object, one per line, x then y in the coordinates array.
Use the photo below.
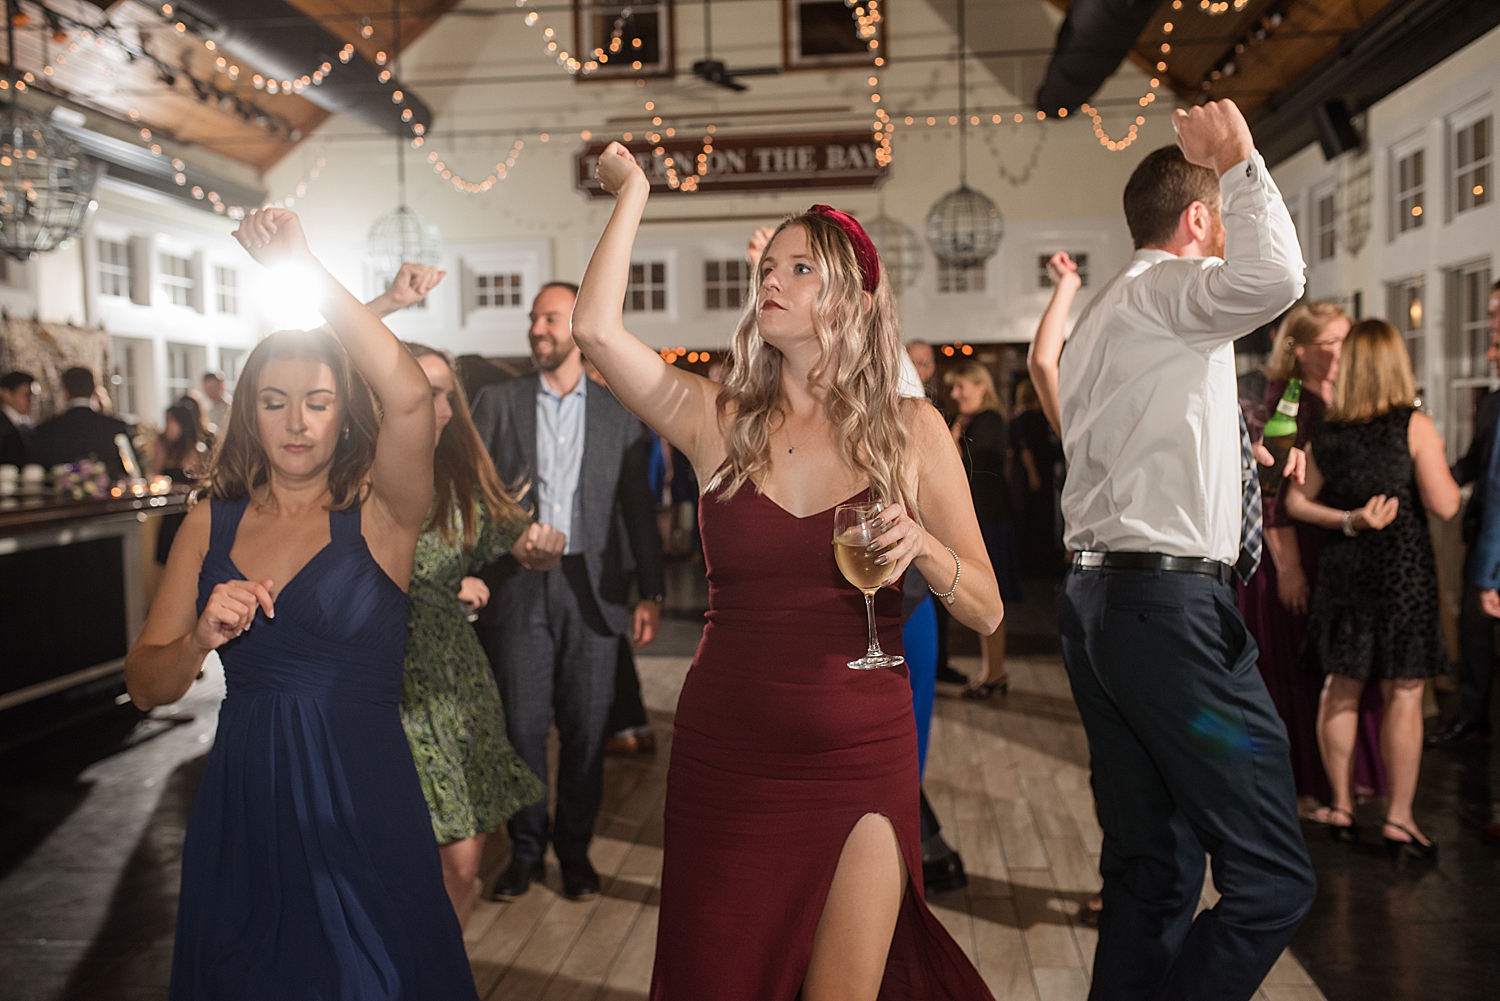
{"type": "Point", "coordinates": [1417, 849]}
{"type": "Point", "coordinates": [1347, 833]}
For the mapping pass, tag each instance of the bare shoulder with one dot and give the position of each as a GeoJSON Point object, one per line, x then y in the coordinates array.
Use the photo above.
{"type": "Point", "coordinates": [197, 526]}
{"type": "Point", "coordinates": [924, 423]}
{"type": "Point", "coordinates": [1421, 432]}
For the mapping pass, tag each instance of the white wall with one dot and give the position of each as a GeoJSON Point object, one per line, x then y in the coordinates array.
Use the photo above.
{"type": "Point", "coordinates": [1422, 115]}
{"type": "Point", "coordinates": [1069, 200]}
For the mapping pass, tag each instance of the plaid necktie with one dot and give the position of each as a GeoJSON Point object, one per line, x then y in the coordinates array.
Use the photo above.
{"type": "Point", "coordinates": [1250, 514]}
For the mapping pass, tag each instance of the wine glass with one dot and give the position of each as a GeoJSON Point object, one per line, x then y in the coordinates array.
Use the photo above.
{"type": "Point", "coordinates": [853, 531]}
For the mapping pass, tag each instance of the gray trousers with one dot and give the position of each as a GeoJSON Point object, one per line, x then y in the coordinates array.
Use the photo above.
{"type": "Point", "coordinates": [553, 656]}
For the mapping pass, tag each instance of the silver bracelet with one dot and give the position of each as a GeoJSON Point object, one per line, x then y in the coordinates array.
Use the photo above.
{"type": "Point", "coordinates": [1347, 520]}
{"type": "Point", "coordinates": [958, 571]}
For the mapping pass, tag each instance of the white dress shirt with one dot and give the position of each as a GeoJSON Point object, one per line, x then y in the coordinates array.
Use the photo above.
{"type": "Point", "coordinates": [1147, 383]}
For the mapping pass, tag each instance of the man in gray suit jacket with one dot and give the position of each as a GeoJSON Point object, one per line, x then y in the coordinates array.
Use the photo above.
{"type": "Point", "coordinates": [553, 636]}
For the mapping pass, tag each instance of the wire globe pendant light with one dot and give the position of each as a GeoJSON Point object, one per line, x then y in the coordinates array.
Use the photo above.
{"type": "Point", "coordinates": [964, 227]}
{"type": "Point", "coordinates": [401, 235]}
{"type": "Point", "coordinates": [46, 180]}
{"type": "Point", "coordinates": [900, 250]}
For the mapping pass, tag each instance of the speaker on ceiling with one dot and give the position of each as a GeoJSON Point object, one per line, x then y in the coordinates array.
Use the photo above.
{"type": "Point", "coordinates": [1336, 132]}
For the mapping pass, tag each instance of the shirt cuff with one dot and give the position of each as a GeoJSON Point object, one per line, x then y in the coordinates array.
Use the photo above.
{"type": "Point", "coordinates": [1246, 174]}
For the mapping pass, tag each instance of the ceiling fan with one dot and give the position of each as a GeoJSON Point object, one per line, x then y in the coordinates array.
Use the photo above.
{"type": "Point", "coordinates": [714, 71]}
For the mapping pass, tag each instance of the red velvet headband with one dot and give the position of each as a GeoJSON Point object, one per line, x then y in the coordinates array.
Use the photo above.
{"type": "Point", "coordinates": [864, 247]}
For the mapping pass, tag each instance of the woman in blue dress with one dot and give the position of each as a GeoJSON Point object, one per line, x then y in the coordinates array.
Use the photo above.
{"type": "Point", "coordinates": [309, 868]}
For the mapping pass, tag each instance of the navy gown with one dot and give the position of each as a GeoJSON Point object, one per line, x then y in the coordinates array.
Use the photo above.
{"type": "Point", "coordinates": [309, 870]}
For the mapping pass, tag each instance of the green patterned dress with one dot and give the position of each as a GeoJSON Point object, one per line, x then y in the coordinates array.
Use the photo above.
{"type": "Point", "coordinates": [472, 778]}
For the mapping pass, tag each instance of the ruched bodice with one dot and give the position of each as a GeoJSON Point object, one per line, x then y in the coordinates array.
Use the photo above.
{"type": "Point", "coordinates": [340, 626]}
{"type": "Point", "coordinates": [309, 870]}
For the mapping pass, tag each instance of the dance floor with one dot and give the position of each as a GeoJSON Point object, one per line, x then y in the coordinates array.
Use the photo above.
{"type": "Point", "coordinates": [91, 825]}
{"type": "Point", "coordinates": [1009, 781]}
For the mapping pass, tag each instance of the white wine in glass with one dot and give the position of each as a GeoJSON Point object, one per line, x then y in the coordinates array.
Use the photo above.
{"type": "Point", "coordinates": [853, 532]}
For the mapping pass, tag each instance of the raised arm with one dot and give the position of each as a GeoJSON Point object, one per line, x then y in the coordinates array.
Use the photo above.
{"type": "Point", "coordinates": [677, 404]}
{"type": "Point", "coordinates": [1210, 301]}
{"type": "Point", "coordinates": [409, 287]}
{"type": "Point", "coordinates": [1047, 345]}
{"type": "Point", "coordinates": [401, 478]}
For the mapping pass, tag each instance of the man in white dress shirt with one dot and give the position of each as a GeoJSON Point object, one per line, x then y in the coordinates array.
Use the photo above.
{"type": "Point", "coordinates": [1188, 754]}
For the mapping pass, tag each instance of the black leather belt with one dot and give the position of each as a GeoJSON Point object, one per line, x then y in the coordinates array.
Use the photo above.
{"type": "Point", "coordinates": [1153, 561]}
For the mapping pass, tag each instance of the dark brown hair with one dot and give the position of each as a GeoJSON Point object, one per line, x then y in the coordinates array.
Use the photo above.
{"type": "Point", "coordinates": [462, 471]}
{"type": "Point", "coordinates": [1160, 190]}
{"type": "Point", "coordinates": [182, 453]}
{"type": "Point", "coordinates": [240, 465]}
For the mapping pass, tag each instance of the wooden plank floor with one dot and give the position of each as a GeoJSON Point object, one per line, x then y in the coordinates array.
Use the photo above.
{"type": "Point", "coordinates": [1009, 781]}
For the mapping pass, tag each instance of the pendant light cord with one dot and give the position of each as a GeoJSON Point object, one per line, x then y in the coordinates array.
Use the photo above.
{"type": "Point", "coordinates": [10, 47]}
{"type": "Point", "coordinates": [963, 99]}
{"type": "Point", "coordinates": [396, 73]}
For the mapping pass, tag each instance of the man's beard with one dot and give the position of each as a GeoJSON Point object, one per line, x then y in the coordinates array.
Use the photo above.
{"type": "Point", "coordinates": [553, 361]}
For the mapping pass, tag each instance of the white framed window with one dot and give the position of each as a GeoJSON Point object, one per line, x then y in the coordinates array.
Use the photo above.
{"type": "Point", "coordinates": [227, 290]}
{"type": "Point", "coordinates": [130, 366]}
{"type": "Point", "coordinates": [647, 291]}
{"type": "Point", "coordinates": [726, 284]}
{"type": "Point", "coordinates": [503, 290]}
{"type": "Point", "coordinates": [177, 279]}
{"type": "Point", "coordinates": [820, 33]}
{"type": "Point", "coordinates": [1473, 158]}
{"type": "Point", "coordinates": [185, 364]}
{"type": "Point", "coordinates": [1405, 308]}
{"type": "Point", "coordinates": [1044, 280]}
{"type": "Point", "coordinates": [231, 363]}
{"type": "Point", "coordinates": [1468, 336]}
{"type": "Point", "coordinates": [624, 39]}
{"type": "Point", "coordinates": [1325, 213]}
{"type": "Point", "coordinates": [1409, 188]}
{"type": "Point", "coordinates": [960, 277]}
{"type": "Point", "coordinates": [114, 268]}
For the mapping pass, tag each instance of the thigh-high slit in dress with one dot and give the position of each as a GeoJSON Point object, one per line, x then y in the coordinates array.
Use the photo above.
{"type": "Point", "coordinates": [778, 750]}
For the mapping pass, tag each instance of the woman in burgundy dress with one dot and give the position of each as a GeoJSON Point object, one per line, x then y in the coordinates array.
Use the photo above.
{"type": "Point", "coordinates": [1274, 602]}
{"type": "Point", "coordinates": [792, 860]}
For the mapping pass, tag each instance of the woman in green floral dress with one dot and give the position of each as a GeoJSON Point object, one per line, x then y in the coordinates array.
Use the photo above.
{"type": "Point", "coordinates": [472, 778]}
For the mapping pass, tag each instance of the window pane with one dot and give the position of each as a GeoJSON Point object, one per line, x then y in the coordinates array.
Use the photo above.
{"type": "Point", "coordinates": [710, 271]}
{"type": "Point", "coordinates": [658, 273]}
{"type": "Point", "coordinates": [711, 297]}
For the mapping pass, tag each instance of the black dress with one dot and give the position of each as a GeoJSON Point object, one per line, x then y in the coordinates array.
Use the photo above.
{"type": "Point", "coordinates": [1375, 604]}
{"type": "Point", "coordinates": [1039, 537]}
{"type": "Point", "coordinates": [983, 444]}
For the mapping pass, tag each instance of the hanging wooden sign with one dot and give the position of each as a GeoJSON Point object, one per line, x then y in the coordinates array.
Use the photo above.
{"type": "Point", "coordinates": [749, 163]}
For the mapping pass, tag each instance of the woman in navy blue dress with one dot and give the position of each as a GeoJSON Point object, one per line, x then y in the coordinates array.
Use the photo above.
{"type": "Point", "coordinates": [309, 869]}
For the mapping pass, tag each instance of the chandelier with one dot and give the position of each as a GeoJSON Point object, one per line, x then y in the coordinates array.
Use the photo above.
{"type": "Point", "coordinates": [400, 236]}
{"type": "Point", "coordinates": [900, 250]}
{"type": "Point", "coordinates": [964, 226]}
{"type": "Point", "coordinates": [46, 181]}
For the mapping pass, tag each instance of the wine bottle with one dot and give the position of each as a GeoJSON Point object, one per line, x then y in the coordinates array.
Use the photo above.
{"type": "Point", "coordinates": [1280, 435]}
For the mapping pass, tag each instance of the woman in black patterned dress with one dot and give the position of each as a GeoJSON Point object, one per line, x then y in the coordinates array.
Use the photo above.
{"type": "Point", "coordinates": [1375, 467]}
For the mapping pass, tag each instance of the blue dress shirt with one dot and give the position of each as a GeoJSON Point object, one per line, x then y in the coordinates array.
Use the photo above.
{"type": "Point", "coordinates": [559, 457]}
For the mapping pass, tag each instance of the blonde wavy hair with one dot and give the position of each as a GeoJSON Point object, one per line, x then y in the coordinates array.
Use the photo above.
{"type": "Point", "coordinates": [1300, 328]}
{"type": "Point", "coordinates": [859, 361]}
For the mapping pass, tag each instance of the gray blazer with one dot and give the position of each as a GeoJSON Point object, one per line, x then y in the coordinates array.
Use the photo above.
{"type": "Point", "coordinates": [613, 489]}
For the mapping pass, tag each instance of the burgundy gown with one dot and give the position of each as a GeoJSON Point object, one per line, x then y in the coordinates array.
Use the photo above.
{"type": "Point", "coordinates": [778, 750]}
{"type": "Point", "coordinates": [1280, 635]}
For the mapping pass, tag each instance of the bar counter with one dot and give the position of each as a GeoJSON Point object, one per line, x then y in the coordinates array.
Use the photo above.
{"type": "Point", "coordinates": [76, 578]}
